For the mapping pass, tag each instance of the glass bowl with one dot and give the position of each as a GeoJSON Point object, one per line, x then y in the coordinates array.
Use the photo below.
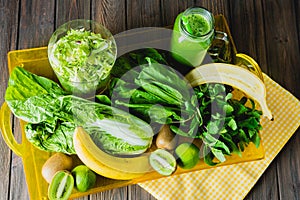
{"type": "Point", "coordinates": [82, 54]}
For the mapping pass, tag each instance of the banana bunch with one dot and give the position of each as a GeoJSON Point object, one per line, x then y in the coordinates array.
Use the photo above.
{"type": "Point", "coordinates": [235, 76]}
{"type": "Point", "coordinates": [104, 164]}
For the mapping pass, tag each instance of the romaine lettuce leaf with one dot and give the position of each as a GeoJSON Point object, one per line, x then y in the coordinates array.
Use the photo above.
{"type": "Point", "coordinates": [52, 117]}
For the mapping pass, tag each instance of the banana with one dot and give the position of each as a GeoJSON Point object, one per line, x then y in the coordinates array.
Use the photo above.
{"type": "Point", "coordinates": [91, 162]}
{"type": "Point", "coordinates": [105, 164]}
{"type": "Point", "coordinates": [101, 169]}
{"type": "Point", "coordinates": [234, 76]}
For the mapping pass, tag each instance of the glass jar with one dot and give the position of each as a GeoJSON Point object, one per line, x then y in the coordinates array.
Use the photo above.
{"type": "Point", "coordinates": [193, 33]}
{"type": "Point", "coordinates": [82, 54]}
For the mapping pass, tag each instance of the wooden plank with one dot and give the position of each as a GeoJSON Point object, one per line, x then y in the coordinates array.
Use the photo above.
{"type": "Point", "coordinates": [36, 26]}
{"type": "Point", "coordinates": [8, 38]}
{"type": "Point", "coordinates": [115, 194]}
{"type": "Point", "coordinates": [171, 8]}
{"type": "Point", "coordinates": [266, 187]}
{"type": "Point", "coordinates": [289, 160]}
{"type": "Point", "coordinates": [285, 49]}
{"type": "Point", "coordinates": [282, 43]}
{"type": "Point", "coordinates": [248, 34]}
{"type": "Point", "coordinates": [288, 169]}
{"type": "Point", "coordinates": [260, 52]}
{"type": "Point", "coordinates": [18, 181]}
{"type": "Point", "coordinates": [112, 14]}
{"type": "Point", "coordinates": [245, 26]}
{"type": "Point", "coordinates": [297, 11]}
{"type": "Point", "coordinates": [282, 32]}
{"type": "Point", "coordinates": [71, 9]}
{"type": "Point", "coordinates": [248, 29]}
{"type": "Point", "coordinates": [216, 6]}
{"type": "Point", "coordinates": [260, 32]}
{"type": "Point", "coordinates": [296, 137]}
{"type": "Point", "coordinates": [36, 23]}
{"type": "Point", "coordinates": [136, 192]}
{"type": "Point", "coordinates": [143, 13]}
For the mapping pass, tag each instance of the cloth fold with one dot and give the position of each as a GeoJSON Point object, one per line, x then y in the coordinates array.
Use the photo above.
{"type": "Point", "coordinates": [235, 181]}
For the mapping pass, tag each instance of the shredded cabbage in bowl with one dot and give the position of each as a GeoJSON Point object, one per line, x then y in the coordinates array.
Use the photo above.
{"type": "Point", "coordinates": [82, 60]}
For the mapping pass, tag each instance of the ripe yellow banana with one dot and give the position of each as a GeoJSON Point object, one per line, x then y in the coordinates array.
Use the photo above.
{"type": "Point", "coordinates": [234, 76]}
{"type": "Point", "coordinates": [105, 164]}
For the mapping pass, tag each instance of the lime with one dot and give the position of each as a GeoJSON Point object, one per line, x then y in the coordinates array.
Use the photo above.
{"type": "Point", "coordinates": [188, 155]}
{"type": "Point", "coordinates": [163, 162]}
{"type": "Point", "coordinates": [84, 178]}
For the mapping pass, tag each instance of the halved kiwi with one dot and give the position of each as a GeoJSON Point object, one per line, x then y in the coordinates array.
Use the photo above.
{"type": "Point", "coordinates": [163, 162]}
{"type": "Point", "coordinates": [61, 186]}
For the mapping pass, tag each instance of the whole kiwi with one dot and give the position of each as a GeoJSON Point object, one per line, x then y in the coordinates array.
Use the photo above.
{"type": "Point", "coordinates": [55, 163]}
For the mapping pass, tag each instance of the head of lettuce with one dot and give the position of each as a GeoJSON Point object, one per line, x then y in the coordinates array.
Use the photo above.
{"type": "Point", "coordinates": [52, 116]}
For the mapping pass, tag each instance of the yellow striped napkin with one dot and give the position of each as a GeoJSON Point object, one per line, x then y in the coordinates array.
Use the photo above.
{"type": "Point", "coordinates": [235, 181]}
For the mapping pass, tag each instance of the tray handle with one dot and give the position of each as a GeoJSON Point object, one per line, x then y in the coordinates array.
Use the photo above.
{"type": "Point", "coordinates": [249, 63]}
{"type": "Point", "coordinates": [6, 130]}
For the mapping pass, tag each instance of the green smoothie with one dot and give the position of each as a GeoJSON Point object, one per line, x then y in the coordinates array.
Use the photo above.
{"type": "Point", "coordinates": [193, 33]}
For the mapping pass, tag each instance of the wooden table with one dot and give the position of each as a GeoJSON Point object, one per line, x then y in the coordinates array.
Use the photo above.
{"type": "Point", "coordinates": [267, 30]}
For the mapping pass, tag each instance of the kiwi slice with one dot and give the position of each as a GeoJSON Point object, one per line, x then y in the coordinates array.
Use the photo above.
{"type": "Point", "coordinates": [61, 186]}
{"type": "Point", "coordinates": [188, 155]}
{"type": "Point", "coordinates": [163, 162]}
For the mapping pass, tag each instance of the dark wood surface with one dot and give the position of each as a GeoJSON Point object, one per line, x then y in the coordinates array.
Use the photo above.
{"type": "Point", "coordinates": [267, 30]}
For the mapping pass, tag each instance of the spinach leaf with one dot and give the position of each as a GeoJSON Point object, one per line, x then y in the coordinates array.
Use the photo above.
{"type": "Point", "coordinates": [156, 93]}
{"type": "Point", "coordinates": [228, 125]}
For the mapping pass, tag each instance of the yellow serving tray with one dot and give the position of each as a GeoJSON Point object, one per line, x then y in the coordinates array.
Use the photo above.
{"type": "Point", "coordinates": [36, 61]}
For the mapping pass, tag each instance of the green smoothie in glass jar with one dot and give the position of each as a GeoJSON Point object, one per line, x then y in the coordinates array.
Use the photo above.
{"type": "Point", "coordinates": [193, 34]}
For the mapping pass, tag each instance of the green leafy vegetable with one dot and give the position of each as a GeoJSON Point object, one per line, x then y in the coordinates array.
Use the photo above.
{"type": "Point", "coordinates": [154, 91]}
{"type": "Point", "coordinates": [54, 137]}
{"type": "Point", "coordinates": [24, 88]}
{"type": "Point", "coordinates": [208, 111]}
{"type": "Point", "coordinates": [228, 125]}
{"type": "Point", "coordinates": [53, 116]}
